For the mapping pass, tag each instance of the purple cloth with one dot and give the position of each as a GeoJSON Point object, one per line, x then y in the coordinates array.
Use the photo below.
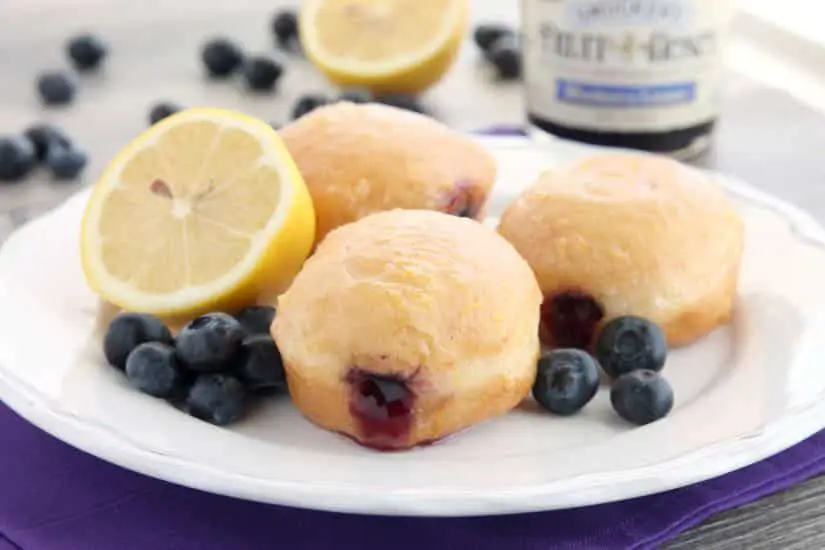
{"type": "Point", "coordinates": [54, 497]}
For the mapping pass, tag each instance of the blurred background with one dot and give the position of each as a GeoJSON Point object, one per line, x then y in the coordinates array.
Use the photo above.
{"type": "Point", "coordinates": [770, 127]}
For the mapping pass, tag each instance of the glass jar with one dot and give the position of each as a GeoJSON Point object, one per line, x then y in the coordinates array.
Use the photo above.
{"type": "Point", "coordinates": [640, 74]}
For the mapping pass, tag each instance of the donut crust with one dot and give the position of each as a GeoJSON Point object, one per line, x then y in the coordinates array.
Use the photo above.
{"type": "Point", "coordinates": [441, 302]}
{"type": "Point", "coordinates": [640, 234]}
{"type": "Point", "coordinates": [361, 159]}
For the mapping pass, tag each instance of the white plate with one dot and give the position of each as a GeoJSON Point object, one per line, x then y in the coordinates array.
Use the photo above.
{"type": "Point", "coordinates": [747, 391]}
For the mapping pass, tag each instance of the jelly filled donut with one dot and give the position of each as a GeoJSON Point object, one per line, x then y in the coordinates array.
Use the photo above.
{"type": "Point", "coordinates": [407, 326]}
{"type": "Point", "coordinates": [622, 234]}
{"type": "Point", "coordinates": [361, 159]}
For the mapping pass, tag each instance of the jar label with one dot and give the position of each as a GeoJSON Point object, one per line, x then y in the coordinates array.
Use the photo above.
{"type": "Point", "coordinates": [624, 65]}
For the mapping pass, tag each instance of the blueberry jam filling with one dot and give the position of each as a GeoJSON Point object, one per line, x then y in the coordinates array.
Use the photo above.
{"type": "Point", "coordinates": [570, 319]}
{"type": "Point", "coordinates": [382, 408]}
{"type": "Point", "coordinates": [462, 202]}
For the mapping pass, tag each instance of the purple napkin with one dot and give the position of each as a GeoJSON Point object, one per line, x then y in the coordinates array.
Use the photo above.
{"type": "Point", "coordinates": [54, 497]}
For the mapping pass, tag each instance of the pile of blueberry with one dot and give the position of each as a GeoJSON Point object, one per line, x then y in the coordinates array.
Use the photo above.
{"type": "Point", "coordinates": [501, 47]}
{"type": "Point", "coordinates": [46, 144]}
{"type": "Point", "coordinates": [631, 351]}
{"type": "Point", "coordinates": [211, 369]}
{"type": "Point", "coordinates": [40, 144]}
{"type": "Point", "coordinates": [86, 53]}
{"type": "Point", "coordinates": [223, 58]}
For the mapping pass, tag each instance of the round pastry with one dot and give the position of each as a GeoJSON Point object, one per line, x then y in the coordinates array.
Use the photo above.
{"type": "Point", "coordinates": [407, 326]}
{"type": "Point", "coordinates": [361, 159]}
{"type": "Point", "coordinates": [622, 234]}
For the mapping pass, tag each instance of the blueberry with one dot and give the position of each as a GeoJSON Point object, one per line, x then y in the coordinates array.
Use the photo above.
{"type": "Point", "coordinates": [402, 101]}
{"type": "Point", "coordinates": [566, 381]}
{"type": "Point", "coordinates": [153, 368]}
{"type": "Point", "coordinates": [356, 95]}
{"type": "Point", "coordinates": [630, 343]}
{"type": "Point", "coordinates": [308, 103]}
{"type": "Point", "coordinates": [161, 110]}
{"type": "Point", "coordinates": [43, 137]}
{"type": "Point", "coordinates": [86, 52]}
{"type": "Point", "coordinates": [210, 342]}
{"type": "Point", "coordinates": [261, 73]}
{"type": "Point", "coordinates": [641, 397]}
{"type": "Point", "coordinates": [17, 158]}
{"type": "Point", "coordinates": [484, 35]}
{"type": "Point", "coordinates": [221, 57]}
{"type": "Point", "coordinates": [285, 28]}
{"type": "Point", "coordinates": [66, 163]}
{"type": "Point", "coordinates": [256, 319]}
{"type": "Point", "coordinates": [127, 331]}
{"type": "Point", "coordinates": [259, 365]}
{"type": "Point", "coordinates": [56, 88]}
{"type": "Point", "coordinates": [505, 55]}
{"type": "Point", "coordinates": [216, 398]}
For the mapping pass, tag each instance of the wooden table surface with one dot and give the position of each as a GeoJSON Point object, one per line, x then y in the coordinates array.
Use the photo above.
{"type": "Point", "coordinates": [765, 137]}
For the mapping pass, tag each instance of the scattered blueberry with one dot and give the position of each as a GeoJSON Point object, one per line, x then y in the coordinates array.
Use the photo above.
{"type": "Point", "coordinates": [630, 343]}
{"type": "Point", "coordinates": [566, 381]}
{"type": "Point", "coordinates": [209, 343]}
{"type": "Point", "coordinates": [256, 319]}
{"type": "Point", "coordinates": [641, 397]}
{"type": "Point", "coordinates": [486, 34]}
{"type": "Point", "coordinates": [308, 103]}
{"type": "Point", "coordinates": [259, 364]}
{"type": "Point", "coordinates": [505, 55]}
{"type": "Point", "coordinates": [86, 51]}
{"type": "Point", "coordinates": [402, 101]}
{"type": "Point", "coordinates": [285, 28]}
{"type": "Point", "coordinates": [127, 331]}
{"type": "Point", "coordinates": [216, 398]}
{"type": "Point", "coordinates": [153, 368]}
{"type": "Point", "coordinates": [43, 137]}
{"type": "Point", "coordinates": [17, 158]}
{"type": "Point", "coordinates": [261, 73]}
{"type": "Point", "coordinates": [221, 57]}
{"type": "Point", "coordinates": [161, 110]}
{"type": "Point", "coordinates": [56, 88]}
{"type": "Point", "coordinates": [66, 163]}
{"type": "Point", "coordinates": [356, 95]}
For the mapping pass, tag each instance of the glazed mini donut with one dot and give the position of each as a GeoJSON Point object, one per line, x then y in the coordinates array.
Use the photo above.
{"type": "Point", "coordinates": [361, 159]}
{"type": "Point", "coordinates": [407, 326]}
{"type": "Point", "coordinates": [621, 234]}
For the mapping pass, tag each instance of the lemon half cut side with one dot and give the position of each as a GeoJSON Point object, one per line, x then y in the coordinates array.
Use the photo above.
{"type": "Point", "coordinates": [384, 45]}
{"type": "Point", "coordinates": [205, 210]}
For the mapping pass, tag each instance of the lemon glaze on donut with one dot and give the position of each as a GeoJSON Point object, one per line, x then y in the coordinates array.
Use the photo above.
{"type": "Point", "coordinates": [408, 326]}
{"type": "Point", "coordinates": [360, 159]}
{"type": "Point", "coordinates": [632, 234]}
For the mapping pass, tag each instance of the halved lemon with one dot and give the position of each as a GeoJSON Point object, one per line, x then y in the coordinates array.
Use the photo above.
{"type": "Point", "coordinates": [205, 210]}
{"type": "Point", "coordinates": [384, 45]}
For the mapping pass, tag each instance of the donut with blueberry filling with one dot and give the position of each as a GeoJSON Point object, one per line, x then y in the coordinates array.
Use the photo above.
{"type": "Point", "coordinates": [407, 326]}
{"type": "Point", "coordinates": [628, 234]}
{"type": "Point", "coordinates": [360, 159]}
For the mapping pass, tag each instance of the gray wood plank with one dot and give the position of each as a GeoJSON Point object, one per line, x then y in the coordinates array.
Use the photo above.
{"type": "Point", "coordinates": [790, 520]}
